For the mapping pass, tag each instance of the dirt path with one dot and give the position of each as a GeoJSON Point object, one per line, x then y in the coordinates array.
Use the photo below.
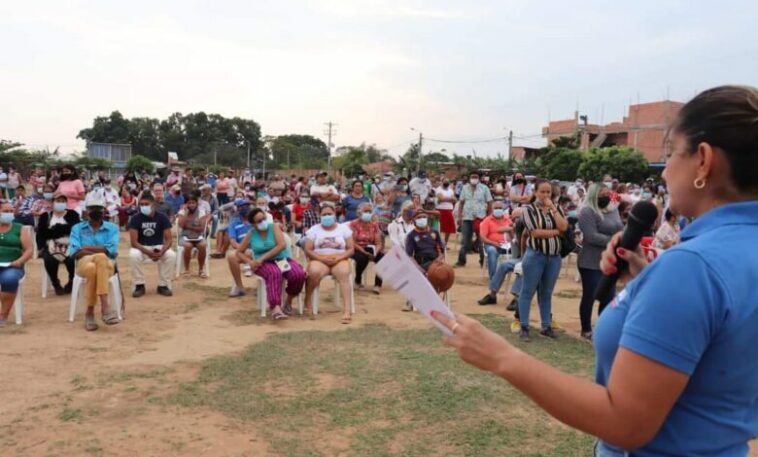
{"type": "Point", "coordinates": [70, 392]}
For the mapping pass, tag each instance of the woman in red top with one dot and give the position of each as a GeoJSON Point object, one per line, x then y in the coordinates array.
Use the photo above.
{"type": "Point", "coordinates": [127, 206]}
{"type": "Point", "coordinates": [367, 238]}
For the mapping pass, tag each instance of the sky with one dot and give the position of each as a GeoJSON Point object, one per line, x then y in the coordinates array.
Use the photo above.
{"type": "Point", "coordinates": [457, 71]}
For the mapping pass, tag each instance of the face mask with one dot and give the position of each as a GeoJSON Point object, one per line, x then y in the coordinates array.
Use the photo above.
{"type": "Point", "coordinates": [377, 181]}
{"type": "Point", "coordinates": [6, 218]}
{"type": "Point", "coordinates": [603, 202]}
{"type": "Point", "coordinates": [608, 184]}
{"type": "Point", "coordinates": [146, 209]}
{"type": "Point", "coordinates": [445, 185]}
{"type": "Point", "coordinates": [327, 221]}
{"type": "Point", "coordinates": [498, 213]}
{"type": "Point", "coordinates": [366, 217]}
{"type": "Point", "coordinates": [59, 207]}
{"type": "Point", "coordinates": [262, 225]}
{"type": "Point", "coordinates": [572, 213]}
{"type": "Point", "coordinates": [39, 190]}
{"type": "Point", "coordinates": [66, 177]}
{"type": "Point", "coordinates": [421, 222]}
{"type": "Point", "coordinates": [48, 195]}
{"type": "Point", "coordinates": [473, 181]}
{"type": "Point", "coordinates": [304, 200]}
{"type": "Point", "coordinates": [96, 215]}
{"type": "Point", "coordinates": [518, 181]}
{"type": "Point", "coordinates": [647, 195]}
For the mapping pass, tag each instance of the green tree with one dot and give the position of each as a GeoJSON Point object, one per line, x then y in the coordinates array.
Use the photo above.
{"type": "Point", "coordinates": [92, 163]}
{"type": "Point", "coordinates": [623, 163]}
{"type": "Point", "coordinates": [560, 163]}
{"type": "Point", "coordinates": [300, 151]}
{"type": "Point", "coordinates": [138, 163]}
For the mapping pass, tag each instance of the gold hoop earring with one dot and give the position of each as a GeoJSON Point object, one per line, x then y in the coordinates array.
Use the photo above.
{"type": "Point", "coordinates": [699, 183]}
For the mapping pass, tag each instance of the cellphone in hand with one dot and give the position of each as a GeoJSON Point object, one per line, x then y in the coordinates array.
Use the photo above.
{"type": "Point", "coordinates": [371, 249]}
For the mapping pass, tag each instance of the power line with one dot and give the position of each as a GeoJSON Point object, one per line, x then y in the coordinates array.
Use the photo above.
{"type": "Point", "coordinates": [489, 140]}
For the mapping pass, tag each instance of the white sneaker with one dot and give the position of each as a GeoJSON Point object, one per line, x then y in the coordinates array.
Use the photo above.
{"type": "Point", "coordinates": [236, 292]}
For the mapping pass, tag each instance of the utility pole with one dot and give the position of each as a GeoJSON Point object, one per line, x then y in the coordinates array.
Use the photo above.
{"type": "Point", "coordinates": [248, 155]}
{"type": "Point", "coordinates": [510, 143]}
{"type": "Point", "coordinates": [329, 132]}
{"type": "Point", "coordinates": [420, 144]}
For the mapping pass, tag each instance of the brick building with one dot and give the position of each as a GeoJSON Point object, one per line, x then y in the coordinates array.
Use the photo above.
{"type": "Point", "coordinates": [644, 128]}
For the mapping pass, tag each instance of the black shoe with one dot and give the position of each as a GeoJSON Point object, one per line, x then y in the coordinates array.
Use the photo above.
{"type": "Point", "coordinates": [481, 263]}
{"type": "Point", "coordinates": [459, 265]}
{"type": "Point", "coordinates": [524, 335]}
{"type": "Point", "coordinates": [548, 333]}
{"type": "Point", "coordinates": [162, 290]}
{"type": "Point", "coordinates": [488, 300]}
{"type": "Point", "coordinates": [59, 290]}
{"type": "Point", "coordinates": [139, 290]}
{"type": "Point", "coordinates": [513, 305]}
{"type": "Point", "coordinates": [68, 288]}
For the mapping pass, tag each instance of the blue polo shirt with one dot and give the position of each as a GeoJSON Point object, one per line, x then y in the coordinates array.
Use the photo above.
{"type": "Point", "coordinates": [695, 310]}
{"type": "Point", "coordinates": [238, 228]}
{"type": "Point", "coordinates": [82, 234]}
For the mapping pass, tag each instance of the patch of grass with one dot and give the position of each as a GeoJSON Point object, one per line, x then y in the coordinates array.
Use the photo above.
{"type": "Point", "coordinates": [375, 391]}
{"type": "Point", "coordinates": [70, 414]}
{"type": "Point", "coordinates": [132, 375]}
{"type": "Point", "coordinates": [212, 292]}
{"type": "Point", "coordinates": [188, 308]}
{"type": "Point", "coordinates": [569, 293]}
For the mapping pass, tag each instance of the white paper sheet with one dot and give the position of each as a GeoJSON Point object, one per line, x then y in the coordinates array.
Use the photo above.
{"type": "Point", "coordinates": [400, 272]}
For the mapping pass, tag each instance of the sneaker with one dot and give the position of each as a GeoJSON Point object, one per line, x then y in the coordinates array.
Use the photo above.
{"type": "Point", "coordinates": [59, 290]}
{"type": "Point", "coordinates": [488, 300]}
{"type": "Point", "coordinates": [165, 291]}
{"type": "Point", "coordinates": [68, 288]}
{"type": "Point", "coordinates": [408, 307]}
{"type": "Point", "coordinates": [587, 336]}
{"type": "Point", "coordinates": [513, 305]}
{"type": "Point", "coordinates": [139, 290]}
{"type": "Point", "coordinates": [523, 335]}
{"type": "Point", "coordinates": [236, 292]}
{"type": "Point", "coordinates": [548, 333]}
{"type": "Point", "coordinates": [459, 265]}
{"type": "Point", "coordinates": [515, 327]}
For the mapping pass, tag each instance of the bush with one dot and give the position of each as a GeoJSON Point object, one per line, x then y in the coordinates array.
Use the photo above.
{"type": "Point", "coordinates": [140, 163]}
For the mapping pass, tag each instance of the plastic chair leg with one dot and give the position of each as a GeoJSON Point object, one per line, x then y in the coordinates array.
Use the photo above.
{"type": "Point", "coordinates": [18, 303]}
{"type": "Point", "coordinates": [76, 290]}
{"type": "Point", "coordinates": [45, 281]}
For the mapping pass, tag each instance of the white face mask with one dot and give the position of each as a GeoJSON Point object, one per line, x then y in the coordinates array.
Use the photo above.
{"type": "Point", "coordinates": [474, 181]}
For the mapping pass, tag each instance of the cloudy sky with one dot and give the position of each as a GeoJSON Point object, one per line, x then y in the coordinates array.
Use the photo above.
{"type": "Point", "coordinates": [460, 71]}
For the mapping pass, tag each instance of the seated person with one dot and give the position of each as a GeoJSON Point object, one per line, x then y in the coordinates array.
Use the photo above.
{"type": "Point", "coordinates": [44, 204]}
{"type": "Point", "coordinates": [271, 261]}
{"type": "Point", "coordinates": [236, 231]}
{"type": "Point", "coordinates": [53, 232]}
{"type": "Point", "coordinates": [161, 205]}
{"type": "Point", "coordinates": [402, 226]}
{"type": "Point", "coordinates": [228, 211]}
{"type": "Point", "coordinates": [94, 243]}
{"type": "Point", "coordinates": [193, 225]}
{"type": "Point", "coordinates": [175, 199]}
{"type": "Point", "coordinates": [423, 244]}
{"type": "Point", "coordinates": [151, 239]}
{"type": "Point", "coordinates": [495, 231]}
{"type": "Point", "coordinates": [328, 247]}
{"type": "Point", "coordinates": [368, 243]}
{"type": "Point", "coordinates": [15, 249]}
{"type": "Point", "coordinates": [23, 207]}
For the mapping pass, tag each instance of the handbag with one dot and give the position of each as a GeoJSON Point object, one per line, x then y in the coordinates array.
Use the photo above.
{"type": "Point", "coordinates": [568, 244]}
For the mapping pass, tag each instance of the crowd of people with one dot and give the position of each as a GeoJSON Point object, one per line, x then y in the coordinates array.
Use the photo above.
{"type": "Point", "coordinates": [514, 224]}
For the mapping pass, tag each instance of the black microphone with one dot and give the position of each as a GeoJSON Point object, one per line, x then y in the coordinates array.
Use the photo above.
{"type": "Point", "coordinates": [642, 217]}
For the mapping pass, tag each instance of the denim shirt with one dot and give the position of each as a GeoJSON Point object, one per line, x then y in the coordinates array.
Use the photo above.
{"type": "Point", "coordinates": [82, 234]}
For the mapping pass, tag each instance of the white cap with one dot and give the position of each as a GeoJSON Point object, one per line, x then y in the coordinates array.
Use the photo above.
{"type": "Point", "coordinates": [93, 199]}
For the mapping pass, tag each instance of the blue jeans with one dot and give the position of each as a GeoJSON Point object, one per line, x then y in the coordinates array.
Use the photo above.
{"type": "Point", "coordinates": [541, 271]}
{"type": "Point", "coordinates": [9, 278]}
{"type": "Point", "coordinates": [492, 254]}
{"type": "Point", "coordinates": [496, 280]}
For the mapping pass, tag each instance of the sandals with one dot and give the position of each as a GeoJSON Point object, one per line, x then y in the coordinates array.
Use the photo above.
{"type": "Point", "coordinates": [347, 319]}
{"type": "Point", "coordinates": [287, 309]}
{"type": "Point", "coordinates": [111, 319]}
{"type": "Point", "coordinates": [203, 275]}
{"type": "Point", "coordinates": [375, 290]}
{"type": "Point", "coordinates": [279, 316]}
{"type": "Point", "coordinates": [89, 323]}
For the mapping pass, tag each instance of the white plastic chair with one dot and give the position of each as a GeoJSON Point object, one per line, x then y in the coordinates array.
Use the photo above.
{"type": "Point", "coordinates": [263, 301]}
{"type": "Point", "coordinates": [337, 294]}
{"type": "Point", "coordinates": [180, 252]}
{"type": "Point", "coordinates": [18, 303]}
{"type": "Point", "coordinates": [114, 295]}
{"type": "Point", "coordinates": [45, 281]}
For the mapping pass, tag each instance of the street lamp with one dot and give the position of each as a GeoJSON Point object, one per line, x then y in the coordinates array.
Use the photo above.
{"type": "Point", "coordinates": [420, 143]}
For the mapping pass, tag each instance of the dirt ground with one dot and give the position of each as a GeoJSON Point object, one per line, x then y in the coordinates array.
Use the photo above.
{"type": "Point", "coordinates": [111, 372]}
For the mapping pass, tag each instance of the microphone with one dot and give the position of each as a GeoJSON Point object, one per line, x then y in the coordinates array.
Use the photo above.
{"type": "Point", "coordinates": [642, 217]}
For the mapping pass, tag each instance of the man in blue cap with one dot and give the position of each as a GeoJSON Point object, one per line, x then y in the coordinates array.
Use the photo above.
{"type": "Point", "coordinates": [236, 231]}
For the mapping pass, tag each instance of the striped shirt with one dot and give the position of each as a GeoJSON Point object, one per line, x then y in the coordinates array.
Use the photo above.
{"type": "Point", "coordinates": [535, 219]}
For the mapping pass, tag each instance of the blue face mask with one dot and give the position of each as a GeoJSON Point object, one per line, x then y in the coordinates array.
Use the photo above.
{"type": "Point", "coordinates": [421, 222]}
{"type": "Point", "coordinates": [328, 220]}
{"type": "Point", "coordinates": [146, 209]}
{"type": "Point", "coordinates": [498, 213]}
{"type": "Point", "coordinates": [572, 213]}
{"type": "Point", "coordinates": [262, 225]}
{"type": "Point", "coordinates": [647, 195]}
{"type": "Point", "coordinates": [59, 206]}
{"type": "Point", "coordinates": [366, 217]}
{"type": "Point", "coordinates": [6, 218]}
{"type": "Point", "coordinates": [47, 195]}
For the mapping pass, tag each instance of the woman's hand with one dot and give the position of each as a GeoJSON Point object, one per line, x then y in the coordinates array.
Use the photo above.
{"type": "Point", "coordinates": [254, 264]}
{"type": "Point", "coordinates": [16, 264]}
{"type": "Point", "coordinates": [475, 343]}
{"type": "Point", "coordinates": [636, 259]}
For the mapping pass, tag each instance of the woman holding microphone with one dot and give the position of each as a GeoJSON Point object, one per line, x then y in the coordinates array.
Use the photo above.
{"type": "Point", "coordinates": [677, 365]}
